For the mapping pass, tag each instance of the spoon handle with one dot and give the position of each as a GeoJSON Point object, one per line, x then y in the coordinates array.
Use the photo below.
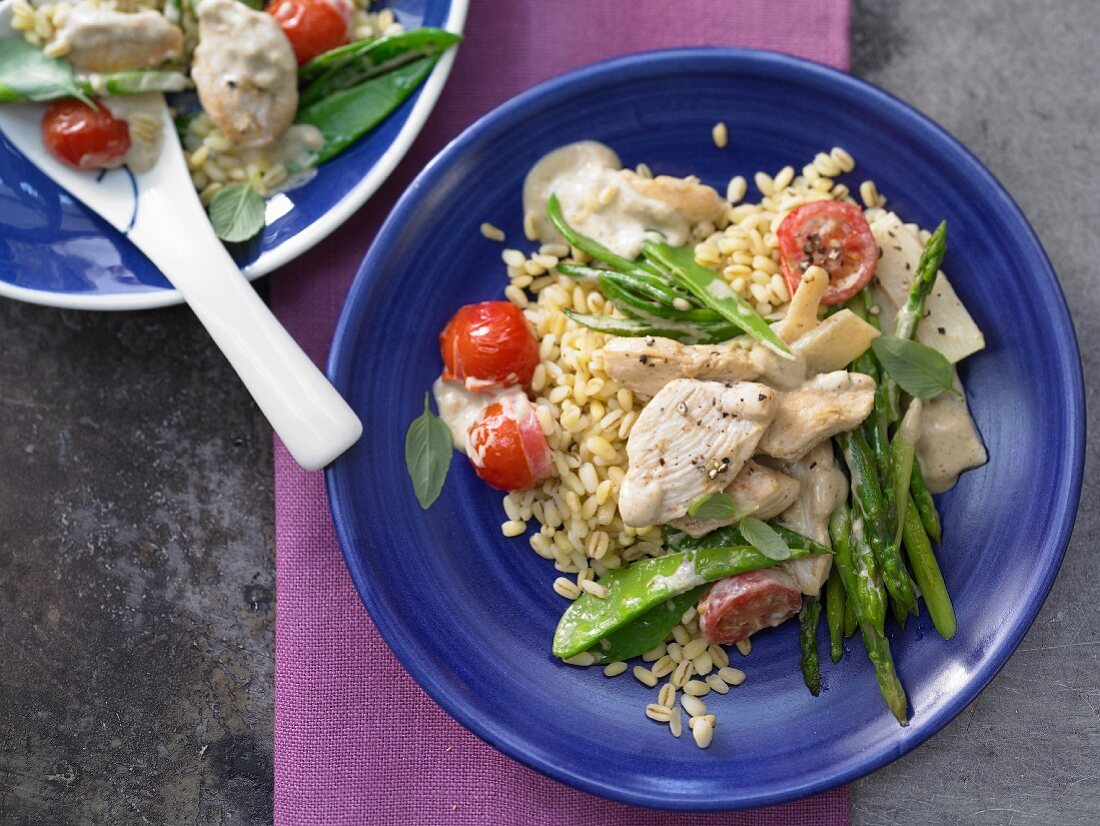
{"type": "Point", "coordinates": [312, 419]}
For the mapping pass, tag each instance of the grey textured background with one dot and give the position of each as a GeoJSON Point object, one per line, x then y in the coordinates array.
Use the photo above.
{"type": "Point", "coordinates": [136, 608]}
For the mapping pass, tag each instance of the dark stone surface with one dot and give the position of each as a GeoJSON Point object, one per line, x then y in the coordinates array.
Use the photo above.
{"type": "Point", "coordinates": [136, 574]}
{"type": "Point", "coordinates": [1018, 83]}
{"type": "Point", "coordinates": [136, 571]}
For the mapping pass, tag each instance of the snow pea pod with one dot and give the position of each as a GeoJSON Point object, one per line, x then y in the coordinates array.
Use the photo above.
{"type": "Point", "coordinates": [590, 246]}
{"type": "Point", "coordinates": [666, 328]}
{"type": "Point", "coordinates": [646, 632]}
{"type": "Point", "coordinates": [347, 115]}
{"type": "Point", "coordinates": [715, 293]}
{"type": "Point", "coordinates": [634, 590]}
{"type": "Point", "coordinates": [633, 296]}
{"type": "Point", "coordinates": [355, 63]}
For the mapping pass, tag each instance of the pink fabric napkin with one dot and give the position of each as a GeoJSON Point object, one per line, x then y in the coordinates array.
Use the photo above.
{"type": "Point", "coordinates": [356, 740]}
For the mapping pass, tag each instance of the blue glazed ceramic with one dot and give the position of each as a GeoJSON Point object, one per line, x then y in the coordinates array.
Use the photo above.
{"type": "Point", "coordinates": [55, 251]}
{"type": "Point", "coordinates": [471, 614]}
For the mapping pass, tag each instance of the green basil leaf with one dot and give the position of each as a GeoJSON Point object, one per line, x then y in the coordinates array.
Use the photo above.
{"type": "Point", "coordinates": [237, 213]}
{"type": "Point", "coordinates": [428, 447]}
{"type": "Point", "coordinates": [919, 370]}
{"type": "Point", "coordinates": [763, 537]}
{"type": "Point", "coordinates": [25, 70]}
{"type": "Point", "coordinates": [714, 506]}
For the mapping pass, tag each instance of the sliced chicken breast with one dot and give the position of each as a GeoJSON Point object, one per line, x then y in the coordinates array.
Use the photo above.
{"type": "Point", "coordinates": [645, 365]}
{"type": "Point", "coordinates": [822, 407]}
{"type": "Point", "coordinates": [823, 489]}
{"type": "Point", "coordinates": [758, 490]}
{"type": "Point", "coordinates": [100, 39]}
{"type": "Point", "coordinates": [245, 72]}
{"type": "Point", "coordinates": [690, 440]}
{"type": "Point", "coordinates": [690, 199]}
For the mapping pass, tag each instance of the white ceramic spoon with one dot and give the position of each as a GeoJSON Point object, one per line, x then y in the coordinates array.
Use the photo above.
{"type": "Point", "coordinates": [160, 212]}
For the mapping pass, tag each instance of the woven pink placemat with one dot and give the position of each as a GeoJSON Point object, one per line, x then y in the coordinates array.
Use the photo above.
{"type": "Point", "coordinates": [356, 740]}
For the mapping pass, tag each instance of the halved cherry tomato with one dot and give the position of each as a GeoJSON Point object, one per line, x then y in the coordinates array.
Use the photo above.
{"type": "Point", "coordinates": [313, 27]}
{"type": "Point", "coordinates": [489, 345]}
{"type": "Point", "coordinates": [506, 445]}
{"type": "Point", "coordinates": [738, 606]}
{"type": "Point", "coordinates": [83, 137]}
{"type": "Point", "coordinates": [833, 235]}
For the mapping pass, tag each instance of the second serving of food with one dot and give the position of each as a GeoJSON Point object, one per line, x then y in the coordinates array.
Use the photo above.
{"type": "Point", "coordinates": [282, 86]}
{"type": "Point", "coordinates": [713, 417]}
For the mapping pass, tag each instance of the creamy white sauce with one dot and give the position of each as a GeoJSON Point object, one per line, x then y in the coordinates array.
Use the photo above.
{"type": "Point", "coordinates": [823, 488]}
{"type": "Point", "coordinates": [145, 142]}
{"type": "Point", "coordinates": [684, 578]}
{"type": "Point", "coordinates": [949, 442]}
{"type": "Point", "coordinates": [598, 199]}
{"type": "Point", "coordinates": [459, 408]}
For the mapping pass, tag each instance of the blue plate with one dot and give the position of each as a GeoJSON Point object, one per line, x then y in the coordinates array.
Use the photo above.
{"type": "Point", "coordinates": [471, 614]}
{"type": "Point", "coordinates": [53, 250]}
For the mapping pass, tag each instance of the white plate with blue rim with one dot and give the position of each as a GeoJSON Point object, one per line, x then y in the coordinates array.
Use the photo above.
{"type": "Point", "coordinates": [57, 252]}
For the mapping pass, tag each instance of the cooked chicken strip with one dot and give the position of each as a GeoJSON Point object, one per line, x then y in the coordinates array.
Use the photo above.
{"type": "Point", "coordinates": [757, 489]}
{"type": "Point", "coordinates": [690, 199]}
{"type": "Point", "coordinates": [105, 40]}
{"type": "Point", "coordinates": [245, 72]}
{"type": "Point", "coordinates": [824, 488]}
{"type": "Point", "coordinates": [690, 440]}
{"type": "Point", "coordinates": [645, 365]}
{"type": "Point", "coordinates": [822, 407]}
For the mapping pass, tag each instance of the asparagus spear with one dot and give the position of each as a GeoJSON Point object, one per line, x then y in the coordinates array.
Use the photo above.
{"type": "Point", "coordinates": [847, 538]}
{"type": "Point", "coordinates": [928, 574]}
{"type": "Point", "coordinates": [909, 316]}
{"type": "Point", "coordinates": [878, 648]}
{"type": "Point", "coordinates": [835, 609]}
{"type": "Point", "coordinates": [926, 507]}
{"type": "Point", "coordinates": [902, 453]}
{"type": "Point", "coordinates": [850, 622]}
{"type": "Point", "coordinates": [808, 617]}
{"type": "Point", "coordinates": [868, 496]}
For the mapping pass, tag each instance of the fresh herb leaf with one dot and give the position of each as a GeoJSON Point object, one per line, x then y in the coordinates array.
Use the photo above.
{"type": "Point", "coordinates": [717, 506]}
{"type": "Point", "coordinates": [428, 447]}
{"type": "Point", "coordinates": [919, 370]}
{"type": "Point", "coordinates": [763, 537]}
{"type": "Point", "coordinates": [237, 213]}
{"type": "Point", "coordinates": [27, 72]}
{"type": "Point", "coordinates": [714, 506]}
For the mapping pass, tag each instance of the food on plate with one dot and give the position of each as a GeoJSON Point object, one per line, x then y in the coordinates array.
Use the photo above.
{"type": "Point", "coordinates": [718, 416]}
{"type": "Point", "coordinates": [280, 89]}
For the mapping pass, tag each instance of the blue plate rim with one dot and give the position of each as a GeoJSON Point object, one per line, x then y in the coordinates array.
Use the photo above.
{"type": "Point", "coordinates": [683, 59]}
{"type": "Point", "coordinates": [327, 223]}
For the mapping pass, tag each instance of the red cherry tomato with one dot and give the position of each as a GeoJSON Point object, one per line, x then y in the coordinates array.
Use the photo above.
{"type": "Point", "coordinates": [738, 606]}
{"type": "Point", "coordinates": [313, 27]}
{"type": "Point", "coordinates": [833, 235]}
{"type": "Point", "coordinates": [83, 137]}
{"type": "Point", "coordinates": [489, 345]}
{"type": "Point", "coordinates": [506, 445]}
